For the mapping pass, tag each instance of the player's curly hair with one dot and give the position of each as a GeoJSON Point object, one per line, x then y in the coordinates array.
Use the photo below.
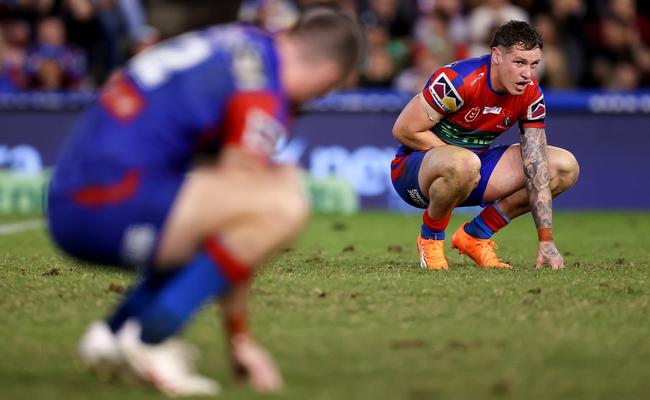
{"type": "Point", "coordinates": [518, 33]}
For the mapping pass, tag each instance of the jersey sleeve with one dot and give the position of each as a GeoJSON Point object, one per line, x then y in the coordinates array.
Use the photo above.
{"type": "Point", "coordinates": [256, 121]}
{"type": "Point", "coordinates": [535, 112]}
{"type": "Point", "coordinates": [257, 111]}
{"type": "Point", "coordinates": [444, 91]}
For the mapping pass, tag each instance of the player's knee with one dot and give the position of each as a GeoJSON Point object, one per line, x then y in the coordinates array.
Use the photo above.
{"type": "Point", "coordinates": [465, 168]}
{"type": "Point", "coordinates": [566, 168]}
{"type": "Point", "coordinates": [297, 208]}
{"type": "Point", "coordinates": [291, 210]}
{"type": "Point", "coordinates": [292, 217]}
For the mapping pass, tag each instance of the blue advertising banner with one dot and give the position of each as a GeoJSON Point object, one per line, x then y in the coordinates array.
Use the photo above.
{"type": "Point", "coordinates": [368, 100]}
{"type": "Point", "coordinates": [359, 147]}
{"type": "Point", "coordinates": [347, 154]}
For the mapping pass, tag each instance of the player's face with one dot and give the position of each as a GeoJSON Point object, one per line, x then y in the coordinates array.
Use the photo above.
{"type": "Point", "coordinates": [516, 68]}
{"type": "Point", "coordinates": [330, 78]}
{"type": "Point", "coordinates": [317, 80]}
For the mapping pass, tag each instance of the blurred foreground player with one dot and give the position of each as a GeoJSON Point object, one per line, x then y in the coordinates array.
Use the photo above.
{"type": "Point", "coordinates": [121, 193]}
{"type": "Point", "coordinates": [445, 159]}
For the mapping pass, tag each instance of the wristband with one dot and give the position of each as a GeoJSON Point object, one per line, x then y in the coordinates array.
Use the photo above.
{"type": "Point", "coordinates": [236, 325]}
{"type": "Point", "coordinates": [545, 234]}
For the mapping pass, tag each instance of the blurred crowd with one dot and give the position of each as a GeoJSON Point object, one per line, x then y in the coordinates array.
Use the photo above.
{"type": "Point", "coordinates": [60, 45]}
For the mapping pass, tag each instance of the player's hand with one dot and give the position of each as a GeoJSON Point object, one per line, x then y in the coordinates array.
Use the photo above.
{"type": "Point", "coordinates": [252, 361]}
{"type": "Point", "coordinates": [547, 254]}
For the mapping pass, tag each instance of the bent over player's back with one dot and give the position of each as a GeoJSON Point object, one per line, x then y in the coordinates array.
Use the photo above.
{"type": "Point", "coordinates": [122, 194]}
{"type": "Point", "coordinates": [180, 96]}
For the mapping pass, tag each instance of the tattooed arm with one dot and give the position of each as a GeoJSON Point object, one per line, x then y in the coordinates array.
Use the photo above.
{"type": "Point", "coordinates": [533, 154]}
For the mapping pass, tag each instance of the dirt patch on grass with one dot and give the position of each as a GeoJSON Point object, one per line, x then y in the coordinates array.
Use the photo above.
{"type": "Point", "coordinates": [51, 272]}
{"type": "Point", "coordinates": [116, 288]}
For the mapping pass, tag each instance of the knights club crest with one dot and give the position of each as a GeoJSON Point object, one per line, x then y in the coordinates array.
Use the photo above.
{"type": "Point", "coordinates": [445, 94]}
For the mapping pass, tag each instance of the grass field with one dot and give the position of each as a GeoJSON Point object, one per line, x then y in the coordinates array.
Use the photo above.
{"type": "Point", "coordinates": [348, 315]}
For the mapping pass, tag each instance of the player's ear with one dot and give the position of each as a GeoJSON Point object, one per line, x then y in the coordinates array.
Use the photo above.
{"type": "Point", "coordinates": [496, 55]}
{"type": "Point", "coordinates": [331, 72]}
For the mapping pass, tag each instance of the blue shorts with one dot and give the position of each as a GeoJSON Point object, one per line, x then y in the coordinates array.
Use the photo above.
{"type": "Point", "coordinates": [405, 169]}
{"type": "Point", "coordinates": [116, 221]}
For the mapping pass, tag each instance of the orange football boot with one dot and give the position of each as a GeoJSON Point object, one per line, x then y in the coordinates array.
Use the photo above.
{"type": "Point", "coordinates": [432, 254]}
{"type": "Point", "coordinates": [479, 250]}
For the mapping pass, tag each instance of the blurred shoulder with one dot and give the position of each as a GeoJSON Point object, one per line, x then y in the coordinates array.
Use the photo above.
{"type": "Point", "coordinates": [250, 52]}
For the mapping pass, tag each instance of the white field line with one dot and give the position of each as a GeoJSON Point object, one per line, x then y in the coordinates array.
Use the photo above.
{"type": "Point", "coordinates": [8, 229]}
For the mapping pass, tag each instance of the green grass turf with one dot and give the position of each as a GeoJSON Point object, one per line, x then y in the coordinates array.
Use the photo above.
{"type": "Point", "coordinates": [348, 315]}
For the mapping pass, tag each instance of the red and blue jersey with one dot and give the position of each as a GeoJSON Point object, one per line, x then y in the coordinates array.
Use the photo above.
{"type": "Point", "coordinates": [210, 88]}
{"type": "Point", "coordinates": [474, 114]}
{"type": "Point", "coordinates": [120, 172]}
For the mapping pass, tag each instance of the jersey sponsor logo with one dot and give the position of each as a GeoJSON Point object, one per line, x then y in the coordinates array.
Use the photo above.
{"type": "Point", "coordinates": [445, 94]}
{"type": "Point", "coordinates": [121, 99]}
{"type": "Point", "coordinates": [492, 110]}
{"type": "Point", "coordinates": [472, 114]}
{"type": "Point", "coordinates": [254, 121]}
{"type": "Point", "coordinates": [537, 110]}
{"type": "Point", "coordinates": [247, 60]}
{"type": "Point", "coordinates": [262, 132]}
{"type": "Point", "coordinates": [248, 69]}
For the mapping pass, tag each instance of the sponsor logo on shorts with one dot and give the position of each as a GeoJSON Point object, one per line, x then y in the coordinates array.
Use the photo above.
{"type": "Point", "coordinates": [445, 94]}
{"type": "Point", "coordinates": [415, 196]}
{"type": "Point", "coordinates": [138, 244]}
